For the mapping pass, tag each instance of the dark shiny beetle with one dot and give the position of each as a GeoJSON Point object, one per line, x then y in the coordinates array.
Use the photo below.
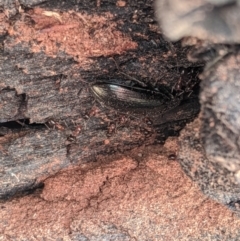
{"type": "Point", "coordinates": [133, 99]}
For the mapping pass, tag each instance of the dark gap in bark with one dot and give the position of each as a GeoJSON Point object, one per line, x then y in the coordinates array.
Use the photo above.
{"type": "Point", "coordinates": [19, 124]}
{"type": "Point", "coordinates": [32, 189]}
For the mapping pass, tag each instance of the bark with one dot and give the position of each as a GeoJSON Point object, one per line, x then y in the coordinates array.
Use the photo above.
{"type": "Point", "coordinates": [51, 52]}
{"type": "Point", "coordinates": [210, 147]}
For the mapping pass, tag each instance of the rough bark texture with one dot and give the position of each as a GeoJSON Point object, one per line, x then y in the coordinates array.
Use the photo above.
{"type": "Point", "coordinates": [72, 168]}
{"type": "Point", "coordinates": [140, 195]}
{"type": "Point", "coordinates": [213, 140]}
{"type": "Point", "coordinates": [51, 54]}
{"type": "Point", "coordinates": [210, 147]}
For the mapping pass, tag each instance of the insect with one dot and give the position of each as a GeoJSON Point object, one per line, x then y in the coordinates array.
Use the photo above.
{"type": "Point", "coordinates": [134, 99]}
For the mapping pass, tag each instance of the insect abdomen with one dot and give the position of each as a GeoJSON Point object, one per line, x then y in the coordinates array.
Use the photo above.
{"type": "Point", "coordinates": [132, 98]}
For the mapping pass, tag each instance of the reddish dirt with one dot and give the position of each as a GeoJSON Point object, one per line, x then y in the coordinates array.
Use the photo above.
{"type": "Point", "coordinates": [4, 25]}
{"type": "Point", "coordinates": [144, 195]}
{"type": "Point", "coordinates": [79, 35]}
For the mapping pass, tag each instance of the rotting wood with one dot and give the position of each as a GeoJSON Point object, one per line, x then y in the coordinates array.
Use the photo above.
{"type": "Point", "coordinates": [51, 51]}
